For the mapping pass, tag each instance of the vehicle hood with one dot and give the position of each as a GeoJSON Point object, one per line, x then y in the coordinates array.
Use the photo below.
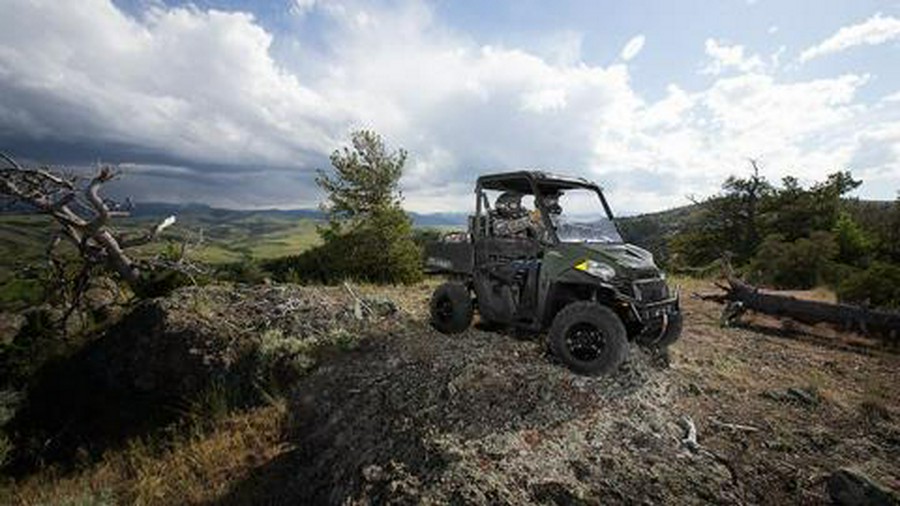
{"type": "Point", "coordinates": [627, 259]}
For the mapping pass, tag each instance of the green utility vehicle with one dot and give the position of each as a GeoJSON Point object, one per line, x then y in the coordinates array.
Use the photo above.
{"type": "Point", "coordinates": [548, 255]}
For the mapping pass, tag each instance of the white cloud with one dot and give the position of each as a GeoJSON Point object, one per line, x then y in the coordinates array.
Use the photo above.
{"type": "Point", "coordinates": [726, 57]}
{"type": "Point", "coordinates": [632, 48]}
{"type": "Point", "coordinates": [196, 84]}
{"type": "Point", "coordinates": [204, 89]}
{"type": "Point", "coordinates": [302, 7]}
{"type": "Point", "coordinates": [562, 47]}
{"type": "Point", "coordinates": [876, 30]}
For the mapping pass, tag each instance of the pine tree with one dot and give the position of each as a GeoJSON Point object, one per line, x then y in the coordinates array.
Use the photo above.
{"type": "Point", "coordinates": [369, 235]}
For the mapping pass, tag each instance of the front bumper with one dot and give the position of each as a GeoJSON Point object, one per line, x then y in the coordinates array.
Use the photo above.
{"type": "Point", "coordinates": [648, 311]}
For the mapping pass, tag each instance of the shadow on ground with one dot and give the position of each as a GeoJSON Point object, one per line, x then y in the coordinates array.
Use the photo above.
{"type": "Point", "coordinates": [71, 415]}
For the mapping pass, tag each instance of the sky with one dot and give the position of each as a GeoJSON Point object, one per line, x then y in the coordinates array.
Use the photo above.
{"type": "Point", "coordinates": [237, 103]}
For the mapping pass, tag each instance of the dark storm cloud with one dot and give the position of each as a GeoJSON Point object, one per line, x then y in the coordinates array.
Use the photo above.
{"type": "Point", "coordinates": [212, 106]}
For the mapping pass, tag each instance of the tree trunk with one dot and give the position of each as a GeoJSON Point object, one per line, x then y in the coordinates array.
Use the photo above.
{"type": "Point", "coordinates": [885, 324]}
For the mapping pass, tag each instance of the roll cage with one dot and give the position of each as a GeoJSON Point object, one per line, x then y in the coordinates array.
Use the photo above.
{"type": "Point", "coordinates": [528, 182]}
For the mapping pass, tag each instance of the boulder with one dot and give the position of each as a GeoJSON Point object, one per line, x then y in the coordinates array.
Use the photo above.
{"type": "Point", "coordinates": [849, 487]}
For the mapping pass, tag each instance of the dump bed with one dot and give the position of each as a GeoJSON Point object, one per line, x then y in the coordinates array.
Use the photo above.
{"type": "Point", "coordinates": [449, 257]}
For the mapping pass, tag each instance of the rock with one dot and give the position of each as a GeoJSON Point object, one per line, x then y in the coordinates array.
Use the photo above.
{"type": "Point", "coordinates": [558, 493]}
{"type": "Point", "coordinates": [10, 324]}
{"type": "Point", "coordinates": [464, 418]}
{"type": "Point", "coordinates": [694, 389]}
{"type": "Point", "coordinates": [805, 396]}
{"type": "Point", "coordinates": [580, 383]}
{"type": "Point", "coordinates": [849, 487]}
{"type": "Point", "coordinates": [373, 473]}
{"type": "Point", "coordinates": [102, 292]}
{"type": "Point", "coordinates": [381, 306]}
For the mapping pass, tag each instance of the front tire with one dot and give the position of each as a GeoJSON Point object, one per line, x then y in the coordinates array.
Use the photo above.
{"type": "Point", "coordinates": [589, 338]}
{"type": "Point", "coordinates": [451, 308]}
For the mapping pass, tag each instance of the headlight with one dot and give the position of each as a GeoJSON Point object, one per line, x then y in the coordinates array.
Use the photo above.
{"type": "Point", "coordinates": [597, 269]}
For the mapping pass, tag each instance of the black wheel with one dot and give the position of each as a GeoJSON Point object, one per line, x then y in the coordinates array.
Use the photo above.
{"type": "Point", "coordinates": [589, 338]}
{"type": "Point", "coordinates": [451, 308]}
{"type": "Point", "coordinates": [656, 337]}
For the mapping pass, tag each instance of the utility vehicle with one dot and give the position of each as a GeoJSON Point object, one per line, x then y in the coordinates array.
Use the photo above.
{"type": "Point", "coordinates": [560, 267]}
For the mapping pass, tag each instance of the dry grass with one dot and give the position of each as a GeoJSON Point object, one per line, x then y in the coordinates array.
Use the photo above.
{"type": "Point", "coordinates": [797, 443]}
{"type": "Point", "coordinates": [191, 467]}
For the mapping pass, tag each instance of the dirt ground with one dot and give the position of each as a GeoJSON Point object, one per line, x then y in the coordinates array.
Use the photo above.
{"type": "Point", "coordinates": [411, 416]}
{"type": "Point", "coordinates": [486, 417]}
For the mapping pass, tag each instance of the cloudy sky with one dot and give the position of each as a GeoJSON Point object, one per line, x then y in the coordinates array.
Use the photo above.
{"type": "Point", "coordinates": [235, 103]}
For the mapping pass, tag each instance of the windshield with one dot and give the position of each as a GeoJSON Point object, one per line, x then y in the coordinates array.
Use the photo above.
{"type": "Point", "coordinates": [580, 217]}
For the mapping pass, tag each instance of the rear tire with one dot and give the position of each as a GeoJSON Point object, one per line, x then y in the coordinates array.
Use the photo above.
{"type": "Point", "coordinates": [451, 308]}
{"type": "Point", "coordinates": [589, 338]}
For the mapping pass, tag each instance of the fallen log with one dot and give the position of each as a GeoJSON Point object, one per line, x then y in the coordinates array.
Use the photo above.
{"type": "Point", "coordinates": [743, 296]}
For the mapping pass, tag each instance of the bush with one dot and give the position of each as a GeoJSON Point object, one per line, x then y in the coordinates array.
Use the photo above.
{"type": "Point", "coordinates": [423, 236]}
{"type": "Point", "coordinates": [381, 250]}
{"type": "Point", "coordinates": [244, 271]}
{"type": "Point", "coordinates": [854, 246]}
{"type": "Point", "coordinates": [18, 293]}
{"type": "Point", "coordinates": [693, 249]}
{"type": "Point", "coordinates": [878, 286]}
{"type": "Point", "coordinates": [161, 282]}
{"type": "Point", "coordinates": [803, 263]}
{"type": "Point", "coordinates": [37, 342]}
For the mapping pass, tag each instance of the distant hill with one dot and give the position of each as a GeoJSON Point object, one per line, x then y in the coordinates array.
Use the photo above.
{"type": "Point", "coordinates": [230, 235]}
{"type": "Point", "coordinates": [217, 235]}
{"type": "Point", "coordinates": [202, 211]}
{"type": "Point", "coordinates": [160, 209]}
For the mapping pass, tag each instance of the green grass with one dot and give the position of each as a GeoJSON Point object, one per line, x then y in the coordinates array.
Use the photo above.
{"type": "Point", "coordinates": [259, 236]}
{"type": "Point", "coordinates": [228, 237]}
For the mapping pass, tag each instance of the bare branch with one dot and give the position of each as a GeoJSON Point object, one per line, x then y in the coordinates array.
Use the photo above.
{"type": "Point", "coordinates": [80, 210]}
{"type": "Point", "coordinates": [11, 161]}
{"type": "Point", "coordinates": [53, 178]}
{"type": "Point", "coordinates": [734, 426]}
{"type": "Point", "coordinates": [150, 236]}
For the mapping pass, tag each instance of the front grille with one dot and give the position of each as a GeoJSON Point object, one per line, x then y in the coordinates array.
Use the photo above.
{"type": "Point", "coordinates": [651, 290]}
{"type": "Point", "coordinates": [624, 286]}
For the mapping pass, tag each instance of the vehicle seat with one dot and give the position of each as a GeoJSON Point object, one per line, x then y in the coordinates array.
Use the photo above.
{"type": "Point", "coordinates": [509, 206]}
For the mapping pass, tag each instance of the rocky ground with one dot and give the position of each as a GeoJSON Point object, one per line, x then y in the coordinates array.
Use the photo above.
{"type": "Point", "coordinates": [484, 417]}
{"type": "Point", "coordinates": [380, 408]}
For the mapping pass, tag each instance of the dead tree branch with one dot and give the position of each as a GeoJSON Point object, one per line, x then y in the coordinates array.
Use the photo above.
{"type": "Point", "coordinates": [82, 215]}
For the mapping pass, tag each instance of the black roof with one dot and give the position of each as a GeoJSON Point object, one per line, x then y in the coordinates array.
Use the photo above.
{"type": "Point", "coordinates": [520, 181]}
